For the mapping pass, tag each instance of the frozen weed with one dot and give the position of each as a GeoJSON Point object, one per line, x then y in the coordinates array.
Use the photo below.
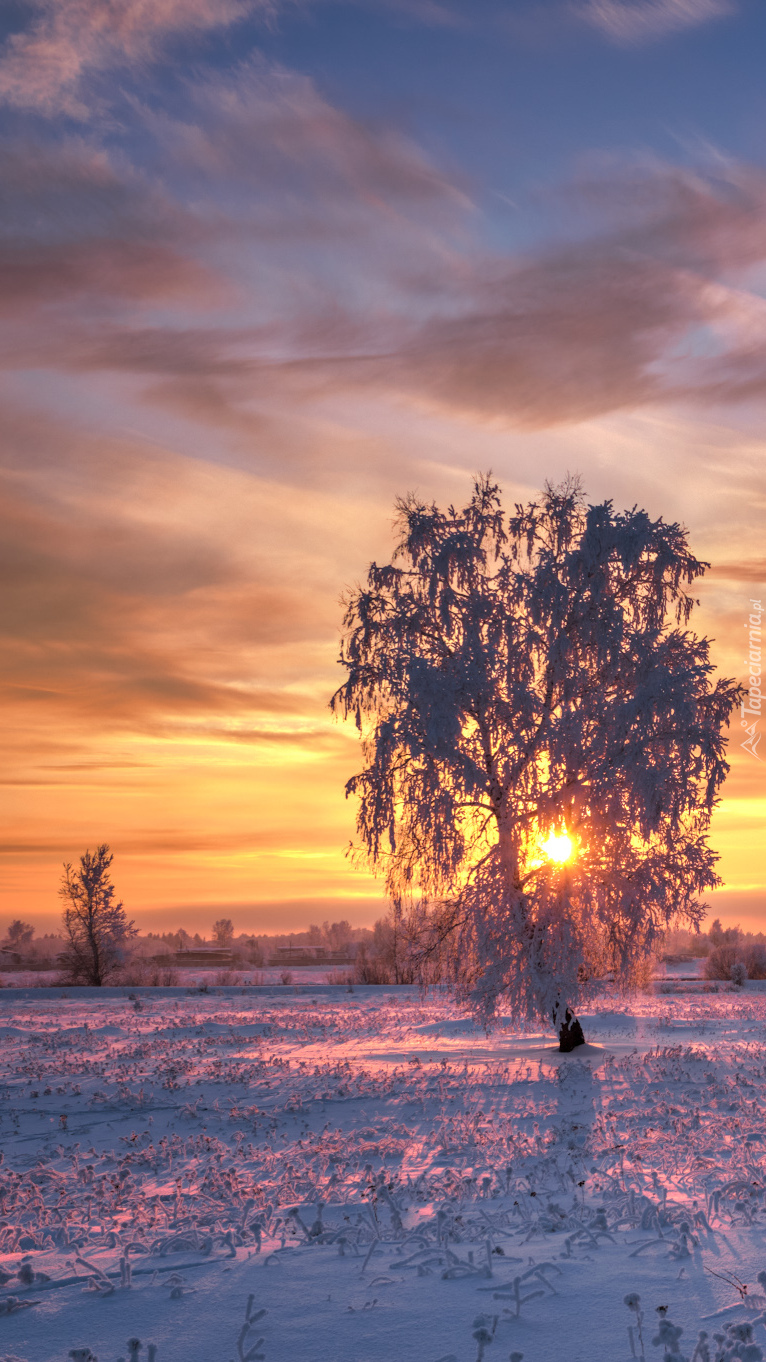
{"type": "Point", "coordinates": [252, 1317]}
{"type": "Point", "coordinates": [633, 1302]}
{"type": "Point", "coordinates": [279, 1129]}
{"type": "Point", "coordinates": [135, 1347]}
{"type": "Point", "coordinates": [484, 1327]}
{"type": "Point", "coordinates": [517, 1289]}
{"type": "Point", "coordinates": [734, 1344]}
{"type": "Point", "coordinates": [12, 1305]}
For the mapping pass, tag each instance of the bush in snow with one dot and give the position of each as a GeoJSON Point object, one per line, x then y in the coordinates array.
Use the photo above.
{"type": "Point", "coordinates": [739, 973]}
{"type": "Point", "coordinates": [721, 962]}
{"type": "Point", "coordinates": [754, 957]}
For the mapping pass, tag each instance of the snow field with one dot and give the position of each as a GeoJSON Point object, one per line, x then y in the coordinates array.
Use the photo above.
{"type": "Point", "coordinates": [383, 1179]}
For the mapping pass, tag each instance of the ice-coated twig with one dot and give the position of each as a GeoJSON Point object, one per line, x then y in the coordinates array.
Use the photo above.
{"type": "Point", "coordinates": [647, 1244]}
{"type": "Point", "coordinates": [375, 1243]}
{"type": "Point", "coordinates": [252, 1317]}
{"type": "Point", "coordinates": [538, 1271]}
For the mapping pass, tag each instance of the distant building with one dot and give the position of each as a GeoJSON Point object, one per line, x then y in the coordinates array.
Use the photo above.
{"type": "Point", "coordinates": [209, 956]}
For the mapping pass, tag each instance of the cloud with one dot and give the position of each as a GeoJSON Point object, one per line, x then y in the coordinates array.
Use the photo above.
{"type": "Point", "coordinates": [76, 221]}
{"type": "Point", "coordinates": [752, 570]}
{"type": "Point", "coordinates": [259, 166]}
{"type": "Point", "coordinates": [652, 301]}
{"type": "Point", "coordinates": [652, 306]}
{"type": "Point", "coordinates": [631, 22]}
{"type": "Point", "coordinates": [124, 608]}
{"type": "Point", "coordinates": [48, 66]}
{"type": "Point", "coordinates": [42, 67]}
{"type": "Point", "coordinates": [294, 166]}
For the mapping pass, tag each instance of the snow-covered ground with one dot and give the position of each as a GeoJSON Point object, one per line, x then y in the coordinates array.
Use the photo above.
{"type": "Point", "coordinates": [378, 1175]}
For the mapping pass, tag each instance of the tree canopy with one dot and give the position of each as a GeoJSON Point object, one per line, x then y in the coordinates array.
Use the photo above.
{"type": "Point", "coordinates": [543, 739]}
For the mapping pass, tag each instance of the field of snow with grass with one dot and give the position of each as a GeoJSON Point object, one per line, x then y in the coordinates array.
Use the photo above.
{"type": "Point", "coordinates": [325, 1175]}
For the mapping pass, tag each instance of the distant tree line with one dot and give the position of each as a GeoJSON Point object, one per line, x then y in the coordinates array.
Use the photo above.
{"type": "Point", "coordinates": [728, 952]}
{"type": "Point", "coordinates": [98, 942]}
{"type": "Point", "coordinates": [380, 955]}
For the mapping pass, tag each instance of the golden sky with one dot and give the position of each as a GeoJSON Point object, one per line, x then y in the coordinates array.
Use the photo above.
{"type": "Point", "coordinates": [259, 278]}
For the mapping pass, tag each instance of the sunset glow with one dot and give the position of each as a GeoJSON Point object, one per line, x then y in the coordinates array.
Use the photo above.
{"type": "Point", "coordinates": [263, 269]}
{"type": "Point", "coordinates": [558, 847]}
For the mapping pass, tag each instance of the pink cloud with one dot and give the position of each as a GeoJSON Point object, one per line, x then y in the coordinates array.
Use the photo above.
{"type": "Point", "coordinates": [43, 66]}
{"type": "Point", "coordinates": [292, 163]}
{"type": "Point", "coordinates": [77, 221]}
{"type": "Point", "coordinates": [653, 306]}
{"type": "Point", "coordinates": [629, 22]}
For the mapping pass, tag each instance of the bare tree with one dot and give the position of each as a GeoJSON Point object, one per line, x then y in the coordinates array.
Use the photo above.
{"type": "Point", "coordinates": [543, 741]}
{"type": "Point", "coordinates": [223, 931]}
{"type": "Point", "coordinates": [95, 925]}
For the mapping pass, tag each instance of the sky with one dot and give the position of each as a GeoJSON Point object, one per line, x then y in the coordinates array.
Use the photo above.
{"type": "Point", "coordinates": [266, 265]}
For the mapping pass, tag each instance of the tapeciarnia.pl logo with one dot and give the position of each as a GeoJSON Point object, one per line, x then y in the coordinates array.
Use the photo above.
{"type": "Point", "coordinates": [750, 710]}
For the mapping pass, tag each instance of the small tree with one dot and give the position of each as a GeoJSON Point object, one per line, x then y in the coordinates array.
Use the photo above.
{"type": "Point", "coordinates": [543, 741]}
{"type": "Point", "coordinates": [223, 931]}
{"type": "Point", "coordinates": [95, 926]}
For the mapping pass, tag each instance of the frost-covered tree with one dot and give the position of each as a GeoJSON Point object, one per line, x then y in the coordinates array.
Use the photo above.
{"type": "Point", "coordinates": [20, 934]}
{"type": "Point", "coordinates": [95, 924]}
{"type": "Point", "coordinates": [223, 932]}
{"type": "Point", "coordinates": [543, 741]}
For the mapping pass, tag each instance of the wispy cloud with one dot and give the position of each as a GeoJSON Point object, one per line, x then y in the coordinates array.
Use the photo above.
{"type": "Point", "coordinates": [751, 570]}
{"type": "Point", "coordinates": [121, 608]}
{"type": "Point", "coordinates": [650, 307]}
{"type": "Point", "coordinates": [77, 221]}
{"type": "Point", "coordinates": [292, 164]}
{"type": "Point", "coordinates": [630, 22]}
{"type": "Point", "coordinates": [43, 66]}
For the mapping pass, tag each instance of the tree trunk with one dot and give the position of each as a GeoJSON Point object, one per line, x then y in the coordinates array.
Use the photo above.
{"type": "Point", "coordinates": [570, 1033]}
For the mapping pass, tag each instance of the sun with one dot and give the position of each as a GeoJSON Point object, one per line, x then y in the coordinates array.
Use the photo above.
{"type": "Point", "coordinates": [558, 847]}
